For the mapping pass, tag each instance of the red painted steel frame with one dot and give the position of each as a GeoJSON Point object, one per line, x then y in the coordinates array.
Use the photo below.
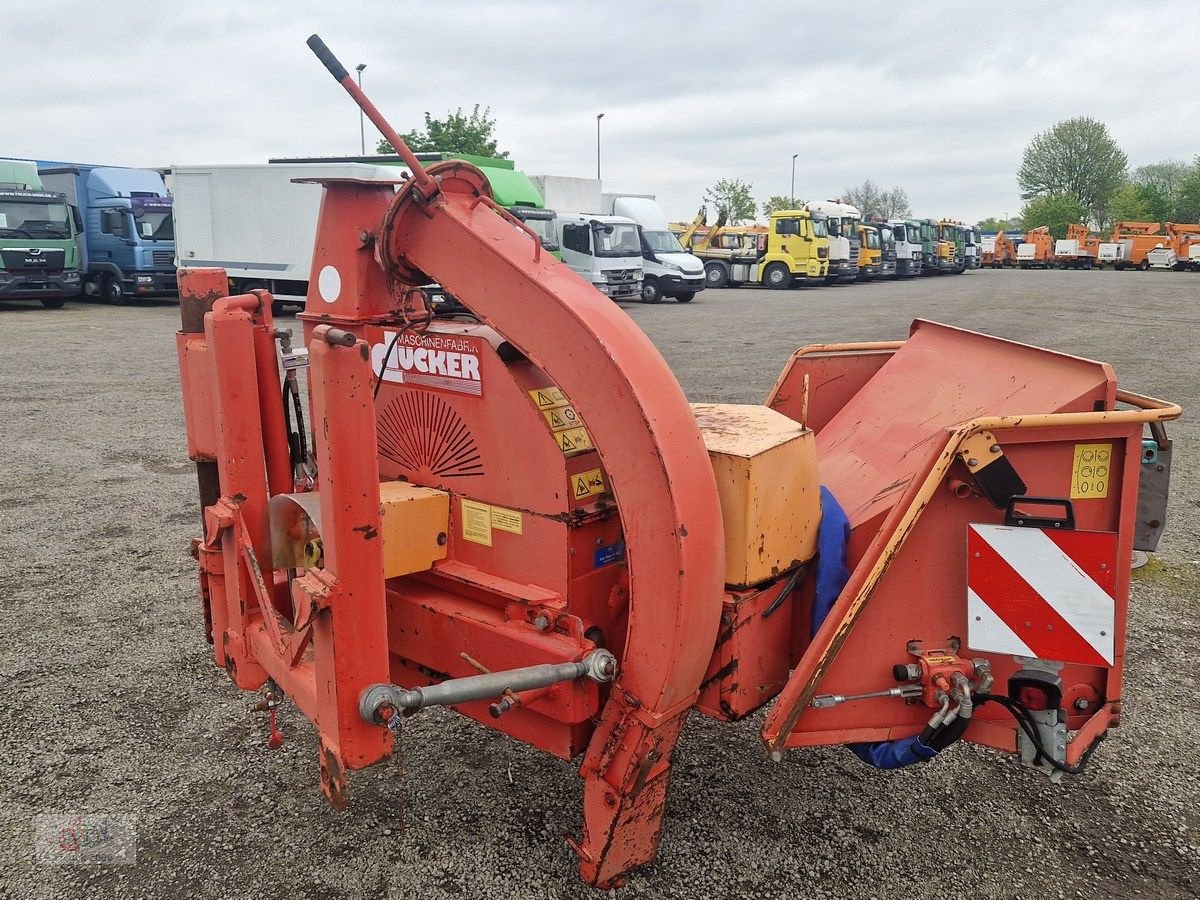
{"type": "Point", "coordinates": [652, 450]}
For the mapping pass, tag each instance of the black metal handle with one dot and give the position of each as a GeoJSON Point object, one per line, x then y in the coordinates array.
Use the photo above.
{"type": "Point", "coordinates": [325, 55]}
{"type": "Point", "coordinates": [1066, 522]}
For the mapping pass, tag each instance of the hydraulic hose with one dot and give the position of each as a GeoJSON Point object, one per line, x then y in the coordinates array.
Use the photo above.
{"type": "Point", "coordinates": [1021, 713]}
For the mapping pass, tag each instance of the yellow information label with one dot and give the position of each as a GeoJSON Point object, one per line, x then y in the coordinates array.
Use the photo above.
{"type": "Point", "coordinates": [506, 520]}
{"type": "Point", "coordinates": [562, 418]}
{"type": "Point", "coordinates": [1091, 471]}
{"type": "Point", "coordinates": [574, 440]}
{"type": "Point", "coordinates": [548, 398]}
{"type": "Point", "coordinates": [587, 484]}
{"type": "Point", "coordinates": [476, 522]}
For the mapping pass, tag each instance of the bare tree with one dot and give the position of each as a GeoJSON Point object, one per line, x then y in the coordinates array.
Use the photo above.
{"type": "Point", "coordinates": [874, 201]}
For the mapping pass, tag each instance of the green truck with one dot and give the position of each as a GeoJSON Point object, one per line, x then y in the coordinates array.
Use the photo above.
{"type": "Point", "coordinates": [39, 257]}
{"type": "Point", "coordinates": [511, 188]}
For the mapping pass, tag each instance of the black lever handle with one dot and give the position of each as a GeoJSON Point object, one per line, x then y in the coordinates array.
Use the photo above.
{"type": "Point", "coordinates": [325, 55]}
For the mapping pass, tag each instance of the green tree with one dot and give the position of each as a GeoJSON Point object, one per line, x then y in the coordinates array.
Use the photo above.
{"type": "Point", "coordinates": [1188, 203]}
{"type": "Point", "coordinates": [1055, 210]}
{"type": "Point", "coordinates": [1162, 181]}
{"type": "Point", "coordinates": [1076, 158]}
{"type": "Point", "coordinates": [457, 133]}
{"type": "Point", "coordinates": [732, 197]}
{"type": "Point", "coordinates": [1131, 204]}
{"type": "Point", "coordinates": [777, 203]}
{"type": "Point", "coordinates": [994, 224]}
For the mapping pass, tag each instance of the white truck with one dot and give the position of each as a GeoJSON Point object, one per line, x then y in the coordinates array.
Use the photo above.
{"type": "Point", "coordinates": [605, 251]}
{"type": "Point", "coordinates": [1162, 258]}
{"type": "Point", "coordinates": [1108, 252]}
{"type": "Point", "coordinates": [1071, 254]}
{"type": "Point", "coordinates": [667, 269]}
{"type": "Point", "coordinates": [254, 222]}
{"type": "Point", "coordinates": [908, 247]}
{"type": "Point", "coordinates": [842, 220]}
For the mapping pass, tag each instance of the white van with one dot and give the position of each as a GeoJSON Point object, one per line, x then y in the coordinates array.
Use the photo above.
{"type": "Point", "coordinates": [667, 269]}
{"type": "Point", "coordinates": [606, 251]}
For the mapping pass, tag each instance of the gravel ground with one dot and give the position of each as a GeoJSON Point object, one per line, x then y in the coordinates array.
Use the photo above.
{"type": "Point", "coordinates": [111, 703]}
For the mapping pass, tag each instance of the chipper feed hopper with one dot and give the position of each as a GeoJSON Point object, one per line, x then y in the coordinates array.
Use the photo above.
{"type": "Point", "coordinates": [517, 513]}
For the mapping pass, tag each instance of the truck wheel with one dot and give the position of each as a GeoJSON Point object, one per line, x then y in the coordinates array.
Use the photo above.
{"type": "Point", "coordinates": [685, 297]}
{"type": "Point", "coordinates": [54, 302]}
{"type": "Point", "coordinates": [651, 292]}
{"type": "Point", "coordinates": [1143, 265]}
{"type": "Point", "coordinates": [715, 275]}
{"type": "Point", "coordinates": [777, 276]}
{"type": "Point", "coordinates": [112, 291]}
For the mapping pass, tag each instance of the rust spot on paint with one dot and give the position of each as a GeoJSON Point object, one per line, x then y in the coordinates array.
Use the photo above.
{"type": "Point", "coordinates": [370, 532]}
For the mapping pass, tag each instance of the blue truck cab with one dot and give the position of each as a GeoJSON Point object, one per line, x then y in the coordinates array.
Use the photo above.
{"type": "Point", "coordinates": [127, 246]}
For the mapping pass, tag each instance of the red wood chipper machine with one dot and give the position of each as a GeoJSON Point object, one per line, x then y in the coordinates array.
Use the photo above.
{"type": "Point", "coordinates": [515, 512]}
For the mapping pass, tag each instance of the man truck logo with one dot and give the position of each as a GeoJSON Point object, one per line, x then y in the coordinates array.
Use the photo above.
{"type": "Point", "coordinates": [1046, 594]}
{"type": "Point", "coordinates": [437, 361]}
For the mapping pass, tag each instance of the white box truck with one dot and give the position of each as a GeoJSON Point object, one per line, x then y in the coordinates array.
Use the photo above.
{"type": "Point", "coordinates": [254, 222]}
{"type": "Point", "coordinates": [605, 251]}
{"type": "Point", "coordinates": [667, 269]}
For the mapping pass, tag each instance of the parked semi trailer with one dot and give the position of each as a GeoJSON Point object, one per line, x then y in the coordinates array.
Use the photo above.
{"type": "Point", "coordinates": [793, 251]}
{"type": "Point", "coordinates": [841, 221]}
{"type": "Point", "coordinates": [520, 518]}
{"type": "Point", "coordinates": [938, 252]}
{"type": "Point", "coordinates": [870, 253]}
{"type": "Point", "coordinates": [910, 256]}
{"type": "Point", "coordinates": [950, 234]}
{"type": "Point", "coordinates": [887, 249]}
{"type": "Point", "coordinates": [127, 244]}
{"type": "Point", "coordinates": [39, 258]}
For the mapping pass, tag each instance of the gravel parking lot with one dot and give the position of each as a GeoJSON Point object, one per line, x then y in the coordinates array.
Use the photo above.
{"type": "Point", "coordinates": [111, 703]}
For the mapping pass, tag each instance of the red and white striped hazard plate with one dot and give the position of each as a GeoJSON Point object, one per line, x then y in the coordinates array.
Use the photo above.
{"type": "Point", "coordinates": [1042, 593]}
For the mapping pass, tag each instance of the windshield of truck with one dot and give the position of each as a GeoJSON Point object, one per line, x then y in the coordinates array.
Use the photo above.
{"type": "Point", "coordinates": [885, 236]}
{"type": "Point", "coordinates": [834, 227]}
{"type": "Point", "coordinates": [662, 242]}
{"type": "Point", "coordinates": [819, 228]}
{"type": "Point", "coordinates": [544, 229]}
{"type": "Point", "coordinates": [29, 219]}
{"type": "Point", "coordinates": [156, 225]}
{"type": "Point", "coordinates": [616, 239]}
{"type": "Point", "coordinates": [850, 226]}
{"type": "Point", "coordinates": [872, 240]}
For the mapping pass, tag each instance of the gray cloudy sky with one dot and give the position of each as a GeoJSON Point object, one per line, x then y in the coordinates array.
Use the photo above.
{"type": "Point", "coordinates": [938, 98]}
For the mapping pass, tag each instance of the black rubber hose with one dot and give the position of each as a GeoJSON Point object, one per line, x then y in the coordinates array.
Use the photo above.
{"type": "Point", "coordinates": [944, 735]}
{"type": "Point", "coordinates": [1021, 713]}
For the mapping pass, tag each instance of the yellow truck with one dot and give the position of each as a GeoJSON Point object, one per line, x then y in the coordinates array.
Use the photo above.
{"type": "Point", "coordinates": [870, 253]}
{"type": "Point", "coordinates": [793, 251]}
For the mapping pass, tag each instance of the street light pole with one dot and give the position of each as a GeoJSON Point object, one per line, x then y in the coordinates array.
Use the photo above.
{"type": "Point", "coordinates": [599, 116]}
{"type": "Point", "coordinates": [362, 128]}
{"type": "Point", "coordinates": [793, 194]}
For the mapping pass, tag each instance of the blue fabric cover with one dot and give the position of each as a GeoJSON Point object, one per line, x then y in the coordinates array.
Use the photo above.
{"type": "Point", "coordinates": [832, 575]}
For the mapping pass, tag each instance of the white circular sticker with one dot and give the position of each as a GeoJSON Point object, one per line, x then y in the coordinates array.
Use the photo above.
{"type": "Point", "coordinates": [329, 283]}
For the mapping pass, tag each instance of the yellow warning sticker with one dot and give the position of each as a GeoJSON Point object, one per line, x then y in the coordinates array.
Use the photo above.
{"type": "Point", "coordinates": [548, 398]}
{"type": "Point", "coordinates": [1091, 471]}
{"type": "Point", "coordinates": [476, 522]}
{"type": "Point", "coordinates": [587, 484]}
{"type": "Point", "coordinates": [574, 440]}
{"type": "Point", "coordinates": [506, 520]}
{"type": "Point", "coordinates": [562, 418]}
